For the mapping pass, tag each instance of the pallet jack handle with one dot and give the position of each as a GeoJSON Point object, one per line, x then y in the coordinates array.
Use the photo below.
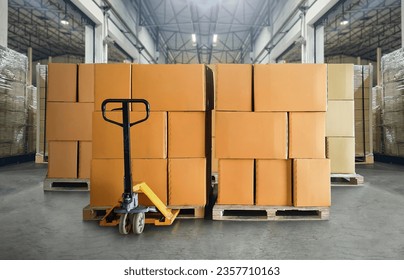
{"type": "Point", "coordinates": [126, 125]}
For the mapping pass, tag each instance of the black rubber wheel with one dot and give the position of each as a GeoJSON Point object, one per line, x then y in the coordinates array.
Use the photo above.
{"type": "Point", "coordinates": [138, 223]}
{"type": "Point", "coordinates": [125, 223]}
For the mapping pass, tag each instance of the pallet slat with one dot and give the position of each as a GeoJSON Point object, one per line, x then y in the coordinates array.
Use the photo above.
{"type": "Point", "coordinates": [269, 213]}
{"type": "Point", "coordinates": [66, 184]}
{"type": "Point", "coordinates": [346, 180]}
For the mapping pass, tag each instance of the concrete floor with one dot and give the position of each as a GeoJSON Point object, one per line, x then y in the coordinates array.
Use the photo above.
{"type": "Point", "coordinates": [366, 223]}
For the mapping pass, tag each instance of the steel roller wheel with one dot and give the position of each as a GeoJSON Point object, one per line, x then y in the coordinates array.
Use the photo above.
{"type": "Point", "coordinates": [138, 223]}
{"type": "Point", "coordinates": [125, 223]}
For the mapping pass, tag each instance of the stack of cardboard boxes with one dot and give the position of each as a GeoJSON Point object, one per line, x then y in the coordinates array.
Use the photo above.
{"type": "Point", "coordinates": [340, 130]}
{"type": "Point", "coordinates": [68, 121]}
{"type": "Point", "coordinates": [271, 144]}
{"type": "Point", "coordinates": [171, 150]}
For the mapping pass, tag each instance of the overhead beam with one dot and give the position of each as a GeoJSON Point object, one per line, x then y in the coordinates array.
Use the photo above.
{"type": "Point", "coordinates": [90, 9]}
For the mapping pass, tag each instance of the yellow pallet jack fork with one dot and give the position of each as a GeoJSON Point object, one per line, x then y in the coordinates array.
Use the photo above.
{"type": "Point", "coordinates": [127, 213]}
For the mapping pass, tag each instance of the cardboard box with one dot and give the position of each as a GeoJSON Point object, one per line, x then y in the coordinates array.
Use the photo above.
{"type": "Point", "coordinates": [236, 182]}
{"type": "Point", "coordinates": [341, 152]}
{"type": "Point", "coordinates": [215, 161]}
{"type": "Point", "coordinates": [186, 135]}
{"type": "Point", "coordinates": [234, 87]}
{"type": "Point", "coordinates": [175, 87]}
{"type": "Point", "coordinates": [107, 180]}
{"type": "Point", "coordinates": [111, 81]}
{"type": "Point", "coordinates": [251, 135]}
{"type": "Point", "coordinates": [62, 82]}
{"type": "Point", "coordinates": [85, 156]}
{"type": "Point", "coordinates": [62, 161]}
{"type": "Point", "coordinates": [148, 139]}
{"type": "Point", "coordinates": [340, 81]}
{"type": "Point", "coordinates": [86, 83]}
{"type": "Point", "coordinates": [307, 135]}
{"type": "Point", "coordinates": [290, 87]}
{"type": "Point", "coordinates": [273, 182]}
{"type": "Point", "coordinates": [340, 119]}
{"type": "Point", "coordinates": [187, 182]}
{"type": "Point", "coordinates": [69, 121]}
{"type": "Point", "coordinates": [311, 182]}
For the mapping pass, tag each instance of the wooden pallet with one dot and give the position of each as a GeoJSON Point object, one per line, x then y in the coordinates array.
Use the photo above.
{"type": "Point", "coordinates": [66, 184]}
{"type": "Point", "coordinates": [186, 212]}
{"type": "Point", "coordinates": [369, 159]}
{"type": "Point", "coordinates": [269, 213]}
{"type": "Point", "coordinates": [346, 180]}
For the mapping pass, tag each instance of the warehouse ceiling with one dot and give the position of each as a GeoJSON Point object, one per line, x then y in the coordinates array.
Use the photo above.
{"type": "Point", "coordinates": [237, 23]}
{"type": "Point", "coordinates": [372, 24]}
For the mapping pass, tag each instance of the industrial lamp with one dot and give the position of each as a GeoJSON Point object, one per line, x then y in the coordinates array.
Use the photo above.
{"type": "Point", "coordinates": [65, 19]}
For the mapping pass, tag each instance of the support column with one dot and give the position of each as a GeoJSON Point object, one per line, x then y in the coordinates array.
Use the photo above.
{"type": "Point", "coordinates": [3, 22]}
{"type": "Point", "coordinates": [89, 44]}
{"type": "Point", "coordinates": [378, 65]}
{"type": "Point", "coordinates": [308, 42]}
{"type": "Point", "coordinates": [29, 78]}
{"type": "Point", "coordinates": [319, 47]}
{"type": "Point", "coordinates": [100, 42]}
{"type": "Point", "coordinates": [402, 23]}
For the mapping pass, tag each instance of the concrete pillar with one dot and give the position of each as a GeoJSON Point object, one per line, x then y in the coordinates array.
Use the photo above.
{"type": "Point", "coordinates": [89, 44]}
{"type": "Point", "coordinates": [309, 41]}
{"type": "Point", "coordinates": [100, 42]}
{"type": "Point", "coordinates": [358, 60]}
{"type": "Point", "coordinates": [29, 78]}
{"type": "Point", "coordinates": [378, 65]}
{"type": "Point", "coordinates": [3, 22]}
{"type": "Point", "coordinates": [319, 46]}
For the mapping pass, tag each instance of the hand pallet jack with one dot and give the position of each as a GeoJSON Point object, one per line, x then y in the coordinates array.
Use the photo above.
{"type": "Point", "coordinates": [128, 214]}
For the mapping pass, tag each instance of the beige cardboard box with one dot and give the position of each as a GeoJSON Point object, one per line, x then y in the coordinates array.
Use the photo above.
{"type": "Point", "coordinates": [174, 87]}
{"type": "Point", "coordinates": [273, 182]}
{"type": "Point", "coordinates": [107, 180]}
{"type": "Point", "coordinates": [307, 135]}
{"type": "Point", "coordinates": [69, 121]}
{"type": "Point", "coordinates": [62, 82]}
{"type": "Point", "coordinates": [341, 152]}
{"type": "Point", "coordinates": [187, 182]}
{"type": "Point", "coordinates": [290, 87]}
{"type": "Point", "coordinates": [340, 81]}
{"type": "Point", "coordinates": [311, 182]}
{"type": "Point", "coordinates": [251, 135]}
{"type": "Point", "coordinates": [148, 139]}
{"type": "Point", "coordinates": [236, 182]}
{"type": "Point", "coordinates": [111, 81]}
{"type": "Point", "coordinates": [340, 119]}
{"type": "Point", "coordinates": [234, 87]}
{"type": "Point", "coordinates": [85, 156]}
{"type": "Point", "coordinates": [186, 135]}
{"type": "Point", "coordinates": [62, 162]}
{"type": "Point", "coordinates": [86, 83]}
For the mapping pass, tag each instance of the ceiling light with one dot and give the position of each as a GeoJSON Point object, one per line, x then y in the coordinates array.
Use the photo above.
{"type": "Point", "coordinates": [194, 38]}
{"type": "Point", "coordinates": [344, 21]}
{"type": "Point", "coordinates": [64, 21]}
{"type": "Point", "coordinates": [214, 38]}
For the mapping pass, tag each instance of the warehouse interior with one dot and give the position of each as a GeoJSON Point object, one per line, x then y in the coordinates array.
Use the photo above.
{"type": "Point", "coordinates": [60, 56]}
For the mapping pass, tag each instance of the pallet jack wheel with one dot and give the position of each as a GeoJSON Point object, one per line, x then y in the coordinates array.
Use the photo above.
{"type": "Point", "coordinates": [138, 223]}
{"type": "Point", "coordinates": [125, 223]}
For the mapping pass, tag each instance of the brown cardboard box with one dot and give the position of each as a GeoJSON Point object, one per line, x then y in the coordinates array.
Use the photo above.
{"type": "Point", "coordinates": [213, 123]}
{"type": "Point", "coordinates": [187, 182]}
{"type": "Point", "coordinates": [186, 134]}
{"type": "Point", "coordinates": [176, 87]}
{"type": "Point", "coordinates": [62, 162]}
{"type": "Point", "coordinates": [215, 161]}
{"type": "Point", "coordinates": [234, 87]}
{"type": "Point", "coordinates": [340, 119]}
{"type": "Point", "coordinates": [62, 82]}
{"type": "Point", "coordinates": [290, 87]}
{"type": "Point", "coordinates": [251, 135]}
{"type": "Point", "coordinates": [111, 81]}
{"type": "Point", "coordinates": [307, 135]}
{"type": "Point", "coordinates": [69, 121]}
{"type": "Point", "coordinates": [311, 182]}
{"type": "Point", "coordinates": [236, 182]}
{"type": "Point", "coordinates": [148, 139]}
{"type": "Point", "coordinates": [340, 81]}
{"type": "Point", "coordinates": [154, 173]}
{"type": "Point", "coordinates": [85, 156]}
{"type": "Point", "coordinates": [273, 182]}
{"type": "Point", "coordinates": [341, 152]}
{"type": "Point", "coordinates": [107, 180]}
{"type": "Point", "coordinates": [86, 83]}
